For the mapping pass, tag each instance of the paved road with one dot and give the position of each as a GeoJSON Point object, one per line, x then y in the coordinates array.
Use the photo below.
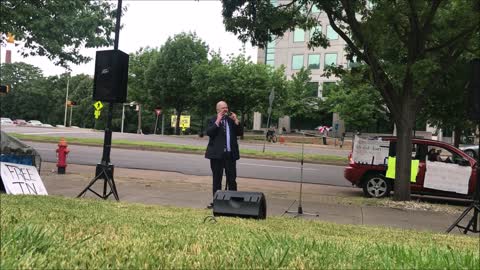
{"type": "Point", "coordinates": [184, 140]}
{"type": "Point", "coordinates": [197, 165]}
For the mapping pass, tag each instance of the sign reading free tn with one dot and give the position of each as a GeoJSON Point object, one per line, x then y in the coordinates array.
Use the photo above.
{"type": "Point", "coordinates": [21, 179]}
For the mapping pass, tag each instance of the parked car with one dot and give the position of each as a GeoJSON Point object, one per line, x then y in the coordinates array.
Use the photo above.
{"type": "Point", "coordinates": [34, 123]}
{"type": "Point", "coordinates": [4, 121]}
{"type": "Point", "coordinates": [20, 122]}
{"type": "Point", "coordinates": [471, 150]}
{"type": "Point", "coordinates": [372, 179]}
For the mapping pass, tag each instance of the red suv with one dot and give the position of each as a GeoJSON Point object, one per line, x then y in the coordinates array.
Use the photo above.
{"type": "Point", "coordinates": [438, 181]}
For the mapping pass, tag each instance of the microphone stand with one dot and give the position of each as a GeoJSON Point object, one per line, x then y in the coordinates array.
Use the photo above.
{"type": "Point", "coordinates": [300, 211]}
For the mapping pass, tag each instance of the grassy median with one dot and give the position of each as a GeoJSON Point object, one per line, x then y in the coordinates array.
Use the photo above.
{"type": "Point", "coordinates": [47, 232]}
{"type": "Point", "coordinates": [158, 146]}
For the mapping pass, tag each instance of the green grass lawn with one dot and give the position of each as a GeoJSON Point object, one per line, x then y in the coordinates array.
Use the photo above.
{"type": "Point", "coordinates": [60, 233]}
{"type": "Point", "coordinates": [158, 146]}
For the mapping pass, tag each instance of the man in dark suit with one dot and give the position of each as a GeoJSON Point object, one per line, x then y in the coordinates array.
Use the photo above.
{"type": "Point", "coordinates": [222, 149]}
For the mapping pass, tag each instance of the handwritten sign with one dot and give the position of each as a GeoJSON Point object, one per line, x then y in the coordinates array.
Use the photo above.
{"type": "Point", "coordinates": [373, 152]}
{"type": "Point", "coordinates": [447, 177]}
{"type": "Point", "coordinates": [21, 179]}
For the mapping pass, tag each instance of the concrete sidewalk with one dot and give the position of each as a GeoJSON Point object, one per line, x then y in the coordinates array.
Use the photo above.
{"type": "Point", "coordinates": [175, 189]}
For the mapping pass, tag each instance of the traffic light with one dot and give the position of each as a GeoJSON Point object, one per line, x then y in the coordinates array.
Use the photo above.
{"type": "Point", "coordinates": [4, 88]}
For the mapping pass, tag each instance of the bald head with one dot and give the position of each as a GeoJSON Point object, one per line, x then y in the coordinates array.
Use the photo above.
{"type": "Point", "coordinates": [222, 106]}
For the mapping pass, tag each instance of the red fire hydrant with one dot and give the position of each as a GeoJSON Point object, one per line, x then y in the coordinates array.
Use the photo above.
{"type": "Point", "coordinates": [62, 152]}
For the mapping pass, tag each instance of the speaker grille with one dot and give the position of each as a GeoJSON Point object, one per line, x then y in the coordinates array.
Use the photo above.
{"type": "Point", "coordinates": [111, 76]}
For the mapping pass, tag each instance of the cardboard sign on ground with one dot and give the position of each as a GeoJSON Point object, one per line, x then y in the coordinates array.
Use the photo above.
{"type": "Point", "coordinates": [21, 179]}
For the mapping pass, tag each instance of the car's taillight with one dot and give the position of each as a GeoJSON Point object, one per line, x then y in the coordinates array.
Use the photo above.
{"type": "Point", "coordinates": [350, 158]}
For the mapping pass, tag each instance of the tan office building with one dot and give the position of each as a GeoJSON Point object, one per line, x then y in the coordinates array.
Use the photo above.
{"type": "Point", "coordinates": [292, 51]}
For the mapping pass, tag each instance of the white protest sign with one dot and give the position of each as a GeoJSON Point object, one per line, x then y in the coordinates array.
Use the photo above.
{"type": "Point", "coordinates": [447, 177]}
{"type": "Point", "coordinates": [21, 179]}
{"type": "Point", "coordinates": [372, 152]}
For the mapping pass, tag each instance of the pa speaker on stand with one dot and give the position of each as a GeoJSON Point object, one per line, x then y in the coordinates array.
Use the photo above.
{"type": "Point", "coordinates": [111, 76]}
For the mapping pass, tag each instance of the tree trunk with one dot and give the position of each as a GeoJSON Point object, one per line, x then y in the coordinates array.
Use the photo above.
{"type": "Point", "coordinates": [177, 124]}
{"type": "Point", "coordinates": [404, 152]}
{"type": "Point", "coordinates": [458, 133]}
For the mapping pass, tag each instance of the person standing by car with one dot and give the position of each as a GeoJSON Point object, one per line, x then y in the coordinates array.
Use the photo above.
{"type": "Point", "coordinates": [222, 149]}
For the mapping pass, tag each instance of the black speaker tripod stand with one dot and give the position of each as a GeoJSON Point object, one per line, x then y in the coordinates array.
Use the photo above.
{"type": "Point", "coordinates": [104, 170]}
{"type": "Point", "coordinates": [300, 211]}
{"type": "Point", "coordinates": [474, 222]}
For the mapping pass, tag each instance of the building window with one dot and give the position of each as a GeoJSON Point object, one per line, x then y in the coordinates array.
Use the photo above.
{"type": "Point", "coordinates": [313, 89]}
{"type": "Point", "coordinates": [270, 53]}
{"type": "Point", "coordinates": [315, 29]}
{"type": "Point", "coordinates": [327, 88]}
{"type": "Point", "coordinates": [331, 34]}
{"type": "Point", "coordinates": [298, 35]}
{"type": "Point", "coordinates": [314, 61]}
{"type": "Point", "coordinates": [297, 62]}
{"type": "Point", "coordinates": [330, 59]}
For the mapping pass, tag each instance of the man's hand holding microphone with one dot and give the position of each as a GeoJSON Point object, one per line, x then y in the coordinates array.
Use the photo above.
{"type": "Point", "coordinates": [225, 113]}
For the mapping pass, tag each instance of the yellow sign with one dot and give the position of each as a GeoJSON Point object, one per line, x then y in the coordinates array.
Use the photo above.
{"type": "Point", "coordinates": [184, 121]}
{"type": "Point", "coordinates": [98, 105]}
{"type": "Point", "coordinates": [391, 169]}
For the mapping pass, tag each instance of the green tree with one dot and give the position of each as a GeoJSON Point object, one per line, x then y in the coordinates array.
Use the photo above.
{"type": "Point", "coordinates": [303, 101]}
{"type": "Point", "coordinates": [170, 74]}
{"type": "Point", "coordinates": [242, 83]}
{"type": "Point", "coordinates": [448, 105]}
{"type": "Point", "coordinates": [406, 45]}
{"type": "Point", "coordinates": [58, 29]}
{"type": "Point", "coordinates": [81, 91]}
{"type": "Point", "coordinates": [22, 99]}
{"type": "Point", "coordinates": [355, 99]}
{"type": "Point", "coordinates": [213, 80]}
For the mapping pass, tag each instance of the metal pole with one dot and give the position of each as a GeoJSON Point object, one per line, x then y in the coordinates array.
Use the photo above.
{"type": "Point", "coordinates": [300, 209]}
{"type": "Point", "coordinates": [268, 125]}
{"type": "Point", "coordinates": [123, 116]}
{"type": "Point", "coordinates": [107, 140]}
{"type": "Point", "coordinates": [66, 100]}
{"type": "Point", "coordinates": [155, 129]}
{"type": "Point", "coordinates": [139, 128]}
{"type": "Point", "coordinates": [163, 123]}
{"type": "Point", "coordinates": [71, 115]}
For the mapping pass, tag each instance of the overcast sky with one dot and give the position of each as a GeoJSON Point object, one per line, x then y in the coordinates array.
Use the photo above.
{"type": "Point", "coordinates": [150, 23]}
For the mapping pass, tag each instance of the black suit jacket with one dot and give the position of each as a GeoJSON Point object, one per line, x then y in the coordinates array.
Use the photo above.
{"type": "Point", "coordinates": [217, 139]}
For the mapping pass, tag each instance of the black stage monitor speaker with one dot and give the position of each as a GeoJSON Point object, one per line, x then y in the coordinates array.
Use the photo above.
{"type": "Point", "coordinates": [111, 76]}
{"type": "Point", "coordinates": [474, 89]}
{"type": "Point", "coordinates": [240, 204]}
